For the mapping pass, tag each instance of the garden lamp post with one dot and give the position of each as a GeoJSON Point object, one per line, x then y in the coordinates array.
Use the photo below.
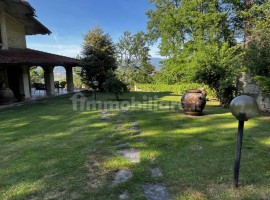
{"type": "Point", "coordinates": [243, 108]}
{"type": "Point", "coordinates": [95, 83]}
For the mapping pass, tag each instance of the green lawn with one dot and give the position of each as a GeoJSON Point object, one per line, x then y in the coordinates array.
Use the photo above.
{"type": "Point", "coordinates": [49, 151]}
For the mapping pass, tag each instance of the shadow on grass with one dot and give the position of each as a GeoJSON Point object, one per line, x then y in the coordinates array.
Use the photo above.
{"type": "Point", "coordinates": [45, 146]}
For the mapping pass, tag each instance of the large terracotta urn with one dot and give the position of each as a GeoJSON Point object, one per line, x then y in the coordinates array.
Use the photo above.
{"type": "Point", "coordinates": [6, 96]}
{"type": "Point", "coordinates": [193, 102]}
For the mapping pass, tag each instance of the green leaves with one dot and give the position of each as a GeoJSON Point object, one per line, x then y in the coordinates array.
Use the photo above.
{"type": "Point", "coordinates": [263, 82]}
{"type": "Point", "coordinates": [37, 75]}
{"type": "Point", "coordinates": [199, 40]}
{"type": "Point", "coordinates": [133, 58]}
{"type": "Point", "coordinates": [98, 57]}
{"type": "Point", "coordinates": [114, 85]}
{"type": "Point", "coordinates": [179, 88]}
{"type": "Point", "coordinates": [218, 66]}
{"type": "Point", "coordinates": [257, 58]}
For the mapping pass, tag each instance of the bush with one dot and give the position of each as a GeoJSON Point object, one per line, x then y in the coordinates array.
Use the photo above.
{"type": "Point", "coordinates": [115, 86]}
{"type": "Point", "coordinates": [218, 68]}
{"type": "Point", "coordinates": [180, 88]}
{"type": "Point", "coordinates": [257, 59]}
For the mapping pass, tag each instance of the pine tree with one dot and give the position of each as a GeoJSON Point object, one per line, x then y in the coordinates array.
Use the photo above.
{"type": "Point", "coordinates": [98, 57]}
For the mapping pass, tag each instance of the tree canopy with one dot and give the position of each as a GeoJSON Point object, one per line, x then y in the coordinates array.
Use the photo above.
{"type": "Point", "coordinates": [98, 57]}
{"type": "Point", "coordinates": [200, 39]}
{"type": "Point", "coordinates": [133, 58]}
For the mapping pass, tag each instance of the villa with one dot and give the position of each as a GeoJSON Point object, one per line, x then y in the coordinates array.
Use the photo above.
{"type": "Point", "coordinates": [17, 20]}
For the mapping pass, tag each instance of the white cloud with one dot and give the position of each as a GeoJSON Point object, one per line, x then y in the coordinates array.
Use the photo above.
{"type": "Point", "coordinates": [54, 43]}
{"type": "Point", "coordinates": [70, 50]}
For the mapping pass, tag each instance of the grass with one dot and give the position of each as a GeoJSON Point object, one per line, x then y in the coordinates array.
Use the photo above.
{"type": "Point", "coordinates": [49, 151]}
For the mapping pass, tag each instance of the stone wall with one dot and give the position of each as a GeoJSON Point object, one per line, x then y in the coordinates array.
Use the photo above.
{"type": "Point", "coordinates": [15, 33]}
{"type": "Point", "coordinates": [248, 87]}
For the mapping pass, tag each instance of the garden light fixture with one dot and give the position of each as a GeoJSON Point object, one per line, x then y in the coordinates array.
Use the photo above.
{"type": "Point", "coordinates": [243, 108]}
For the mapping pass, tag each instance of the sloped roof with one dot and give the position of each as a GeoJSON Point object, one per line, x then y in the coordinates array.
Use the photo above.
{"type": "Point", "coordinates": [14, 56]}
{"type": "Point", "coordinates": [23, 12]}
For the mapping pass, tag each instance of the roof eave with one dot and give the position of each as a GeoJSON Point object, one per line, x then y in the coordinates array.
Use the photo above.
{"type": "Point", "coordinates": [43, 30]}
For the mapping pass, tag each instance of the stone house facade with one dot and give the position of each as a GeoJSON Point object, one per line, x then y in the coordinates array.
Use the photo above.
{"type": "Point", "coordinates": [17, 20]}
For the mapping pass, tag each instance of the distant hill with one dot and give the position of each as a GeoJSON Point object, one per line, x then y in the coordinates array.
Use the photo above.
{"type": "Point", "coordinates": [156, 62]}
{"type": "Point", "coordinates": [59, 69]}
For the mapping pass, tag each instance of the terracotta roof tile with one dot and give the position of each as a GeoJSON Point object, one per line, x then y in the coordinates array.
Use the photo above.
{"type": "Point", "coordinates": [32, 57]}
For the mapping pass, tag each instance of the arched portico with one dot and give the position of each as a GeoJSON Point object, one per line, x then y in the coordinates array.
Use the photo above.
{"type": "Point", "coordinates": [69, 77]}
{"type": "Point", "coordinates": [15, 65]}
{"type": "Point", "coordinates": [49, 80]}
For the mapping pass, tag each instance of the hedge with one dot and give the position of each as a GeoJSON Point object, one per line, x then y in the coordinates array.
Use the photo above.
{"type": "Point", "coordinates": [180, 88]}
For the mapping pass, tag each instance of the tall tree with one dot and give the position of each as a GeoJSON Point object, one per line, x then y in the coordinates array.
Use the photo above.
{"type": "Point", "coordinates": [188, 29]}
{"type": "Point", "coordinates": [133, 58]}
{"type": "Point", "coordinates": [98, 57]}
{"type": "Point", "coordinates": [244, 16]}
{"type": "Point", "coordinates": [183, 26]}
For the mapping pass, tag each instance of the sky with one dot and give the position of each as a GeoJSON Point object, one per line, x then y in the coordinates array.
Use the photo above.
{"type": "Point", "coordinates": [70, 20]}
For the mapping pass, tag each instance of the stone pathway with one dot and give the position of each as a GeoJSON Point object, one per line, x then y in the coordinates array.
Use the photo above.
{"type": "Point", "coordinates": [100, 141]}
{"type": "Point", "coordinates": [124, 144]}
{"type": "Point", "coordinates": [133, 155]}
{"type": "Point", "coordinates": [155, 172]}
{"type": "Point", "coordinates": [155, 192]}
{"type": "Point", "coordinates": [151, 191]}
{"type": "Point", "coordinates": [124, 196]}
{"type": "Point", "coordinates": [104, 116]}
{"type": "Point", "coordinates": [121, 177]}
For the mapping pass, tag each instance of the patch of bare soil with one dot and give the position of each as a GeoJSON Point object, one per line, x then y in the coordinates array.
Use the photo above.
{"type": "Point", "coordinates": [97, 175]}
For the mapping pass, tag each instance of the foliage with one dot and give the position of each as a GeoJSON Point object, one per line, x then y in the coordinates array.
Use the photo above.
{"type": "Point", "coordinates": [144, 73]}
{"type": "Point", "coordinates": [179, 88]}
{"type": "Point", "coordinates": [114, 85]}
{"type": "Point", "coordinates": [76, 78]}
{"type": "Point", "coordinates": [264, 83]}
{"type": "Point", "coordinates": [98, 57]}
{"type": "Point", "coordinates": [218, 68]}
{"type": "Point", "coordinates": [133, 59]}
{"type": "Point", "coordinates": [257, 59]}
{"type": "Point", "coordinates": [36, 75]}
{"type": "Point", "coordinates": [181, 24]}
{"type": "Point", "coordinates": [185, 28]}
{"type": "Point", "coordinates": [198, 38]}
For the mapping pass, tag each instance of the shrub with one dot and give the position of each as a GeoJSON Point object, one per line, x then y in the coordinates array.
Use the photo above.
{"type": "Point", "coordinates": [180, 88]}
{"type": "Point", "coordinates": [115, 86]}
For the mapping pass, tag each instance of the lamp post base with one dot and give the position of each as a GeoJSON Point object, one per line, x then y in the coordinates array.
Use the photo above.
{"type": "Point", "coordinates": [238, 152]}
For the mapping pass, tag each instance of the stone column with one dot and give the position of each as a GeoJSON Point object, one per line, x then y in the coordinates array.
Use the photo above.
{"type": "Point", "coordinates": [49, 80]}
{"type": "Point", "coordinates": [3, 29]}
{"type": "Point", "coordinates": [24, 84]}
{"type": "Point", "coordinates": [29, 79]}
{"type": "Point", "coordinates": [69, 76]}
